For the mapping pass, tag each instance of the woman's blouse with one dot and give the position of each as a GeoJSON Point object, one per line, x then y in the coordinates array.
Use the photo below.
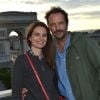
{"type": "Point", "coordinates": [23, 77]}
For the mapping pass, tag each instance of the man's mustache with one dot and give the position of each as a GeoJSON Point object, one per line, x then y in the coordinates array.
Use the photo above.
{"type": "Point", "coordinates": [58, 31]}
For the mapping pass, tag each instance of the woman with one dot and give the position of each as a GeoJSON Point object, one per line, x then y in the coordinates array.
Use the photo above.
{"type": "Point", "coordinates": [39, 40]}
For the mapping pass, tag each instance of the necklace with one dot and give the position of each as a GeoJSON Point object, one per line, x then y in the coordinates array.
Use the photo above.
{"type": "Point", "coordinates": [40, 57]}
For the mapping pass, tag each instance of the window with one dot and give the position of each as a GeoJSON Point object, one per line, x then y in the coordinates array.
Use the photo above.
{"type": "Point", "coordinates": [2, 49]}
{"type": "Point", "coordinates": [3, 33]}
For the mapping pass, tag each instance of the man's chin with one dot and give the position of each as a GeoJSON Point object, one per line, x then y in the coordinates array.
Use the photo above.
{"type": "Point", "coordinates": [59, 37]}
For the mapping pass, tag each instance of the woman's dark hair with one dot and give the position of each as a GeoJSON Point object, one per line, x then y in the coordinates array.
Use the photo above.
{"type": "Point", "coordinates": [55, 10]}
{"type": "Point", "coordinates": [48, 52]}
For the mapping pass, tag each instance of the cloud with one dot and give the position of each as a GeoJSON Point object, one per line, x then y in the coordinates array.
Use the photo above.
{"type": "Point", "coordinates": [86, 12]}
{"type": "Point", "coordinates": [81, 11]}
{"type": "Point", "coordinates": [86, 15]}
{"type": "Point", "coordinates": [79, 3]}
{"type": "Point", "coordinates": [32, 1]}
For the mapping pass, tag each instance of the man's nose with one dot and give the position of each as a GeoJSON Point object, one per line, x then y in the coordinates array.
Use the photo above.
{"type": "Point", "coordinates": [57, 27]}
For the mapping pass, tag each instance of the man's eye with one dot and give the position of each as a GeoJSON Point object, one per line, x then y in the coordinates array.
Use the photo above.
{"type": "Point", "coordinates": [51, 25]}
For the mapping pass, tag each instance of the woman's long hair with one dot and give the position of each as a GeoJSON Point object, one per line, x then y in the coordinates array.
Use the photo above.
{"type": "Point", "coordinates": [49, 48]}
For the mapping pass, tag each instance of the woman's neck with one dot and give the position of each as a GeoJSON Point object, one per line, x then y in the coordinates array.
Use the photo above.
{"type": "Point", "coordinates": [37, 52]}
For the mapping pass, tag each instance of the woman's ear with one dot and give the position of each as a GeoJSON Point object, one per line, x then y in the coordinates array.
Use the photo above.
{"type": "Point", "coordinates": [30, 39]}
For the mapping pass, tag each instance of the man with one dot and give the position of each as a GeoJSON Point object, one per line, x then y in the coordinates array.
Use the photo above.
{"type": "Point", "coordinates": [77, 59]}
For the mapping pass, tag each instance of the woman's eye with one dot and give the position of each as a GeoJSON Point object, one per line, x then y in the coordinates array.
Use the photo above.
{"type": "Point", "coordinates": [36, 34]}
{"type": "Point", "coordinates": [44, 35]}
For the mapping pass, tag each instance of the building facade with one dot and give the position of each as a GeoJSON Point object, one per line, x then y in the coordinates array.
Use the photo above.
{"type": "Point", "coordinates": [18, 22]}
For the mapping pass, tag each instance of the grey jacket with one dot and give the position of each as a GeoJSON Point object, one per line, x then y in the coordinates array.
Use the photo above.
{"type": "Point", "coordinates": [83, 59]}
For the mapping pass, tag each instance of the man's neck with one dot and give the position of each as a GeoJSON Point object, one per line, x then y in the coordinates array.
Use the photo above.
{"type": "Point", "coordinates": [61, 43]}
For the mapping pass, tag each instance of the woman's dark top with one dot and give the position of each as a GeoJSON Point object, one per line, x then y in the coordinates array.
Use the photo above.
{"type": "Point", "coordinates": [23, 77]}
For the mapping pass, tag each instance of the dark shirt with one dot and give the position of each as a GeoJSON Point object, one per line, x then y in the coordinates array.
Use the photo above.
{"type": "Point", "coordinates": [23, 77]}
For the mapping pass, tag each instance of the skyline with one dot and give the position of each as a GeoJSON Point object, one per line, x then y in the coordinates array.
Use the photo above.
{"type": "Point", "coordinates": [83, 14]}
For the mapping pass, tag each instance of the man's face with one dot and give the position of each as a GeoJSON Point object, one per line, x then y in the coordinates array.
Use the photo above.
{"type": "Point", "coordinates": [57, 25]}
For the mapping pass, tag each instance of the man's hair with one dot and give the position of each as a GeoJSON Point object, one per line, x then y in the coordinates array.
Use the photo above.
{"type": "Point", "coordinates": [55, 10]}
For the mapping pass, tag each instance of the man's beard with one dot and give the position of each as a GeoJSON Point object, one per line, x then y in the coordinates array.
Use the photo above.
{"type": "Point", "coordinates": [60, 31]}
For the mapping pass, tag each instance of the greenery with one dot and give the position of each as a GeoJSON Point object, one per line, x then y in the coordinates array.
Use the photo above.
{"type": "Point", "coordinates": [5, 77]}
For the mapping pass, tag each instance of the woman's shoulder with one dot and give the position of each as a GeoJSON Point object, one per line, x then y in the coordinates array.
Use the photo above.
{"type": "Point", "coordinates": [22, 56]}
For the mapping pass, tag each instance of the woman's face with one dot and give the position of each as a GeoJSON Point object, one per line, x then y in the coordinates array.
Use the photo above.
{"type": "Point", "coordinates": [39, 37]}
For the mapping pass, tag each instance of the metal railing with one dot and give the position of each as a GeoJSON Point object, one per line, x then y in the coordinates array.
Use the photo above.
{"type": "Point", "coordinates": [5, 93]}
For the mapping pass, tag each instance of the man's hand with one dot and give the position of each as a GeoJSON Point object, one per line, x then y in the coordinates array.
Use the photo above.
{"type": "Point", "coordinates": [24, 93]}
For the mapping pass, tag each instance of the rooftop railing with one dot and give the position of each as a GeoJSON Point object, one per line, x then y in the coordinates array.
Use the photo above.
{"type": "Point", "coordinates": [5, 94]}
